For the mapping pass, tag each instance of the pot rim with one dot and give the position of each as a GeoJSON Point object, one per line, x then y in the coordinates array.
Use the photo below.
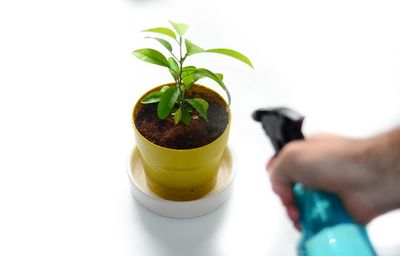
{"type": "Point", "coordinates": [180, 150]}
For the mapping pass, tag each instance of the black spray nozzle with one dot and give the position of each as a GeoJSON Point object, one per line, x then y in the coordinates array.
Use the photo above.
{"type": "Point", "coordinates": [281, 125]}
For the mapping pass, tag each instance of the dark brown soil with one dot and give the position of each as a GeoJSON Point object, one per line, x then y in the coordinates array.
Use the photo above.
{"type": "Point", "coordinates": [165, 133]}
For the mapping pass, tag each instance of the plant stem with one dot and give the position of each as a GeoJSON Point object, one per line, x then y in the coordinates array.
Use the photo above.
{"type": "Point", "coordinates": [173, 55]}
{"type": "Point", "coordinates": [180, 84]}
{"type": "Point", "coordinates": [180, 61]}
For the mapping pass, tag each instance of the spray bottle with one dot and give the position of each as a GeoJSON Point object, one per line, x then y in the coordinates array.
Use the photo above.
{"type": "Point", "coordinates": [327, 229]}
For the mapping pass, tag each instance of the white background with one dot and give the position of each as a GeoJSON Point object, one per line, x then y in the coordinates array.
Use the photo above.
{"type": "Point", "coordinates": [68, 83]}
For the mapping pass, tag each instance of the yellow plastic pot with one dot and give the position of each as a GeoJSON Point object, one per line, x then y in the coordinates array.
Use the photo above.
{"type": "Point", "coordinates": [181, 174]}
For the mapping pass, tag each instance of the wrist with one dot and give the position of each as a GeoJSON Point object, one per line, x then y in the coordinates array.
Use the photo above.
{"type": "Point", "coordinates": [384, 152]}
{"type": "Point", "coordinates": [383, 158]}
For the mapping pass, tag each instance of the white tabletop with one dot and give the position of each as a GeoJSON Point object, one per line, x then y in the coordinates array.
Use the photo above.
{"type": "Point", "coordinates": [68, 83]}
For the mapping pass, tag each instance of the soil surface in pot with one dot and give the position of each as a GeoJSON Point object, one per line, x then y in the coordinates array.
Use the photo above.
{"type": "Point", "coordinates": [199, 133]}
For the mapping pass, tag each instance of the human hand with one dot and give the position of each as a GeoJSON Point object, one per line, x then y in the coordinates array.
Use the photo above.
{"type": "Point", "coordinates": [355, 170]}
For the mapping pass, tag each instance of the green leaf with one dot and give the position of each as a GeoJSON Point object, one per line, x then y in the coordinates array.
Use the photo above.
{"type": "Point", "coordinates": [151, 56]}
{"type": "Point", "coordinates": [188, 77]}
{"type": "Point", "coordinates": [191, 48]}
{"type": "Point", "coordinates": [154, 97]}
{"type": "Point", "coordinates": [164, 88]}
{"type": "Point", "coordinates": [167, 102]}
{"type": "Point", "coordinates": [188, 70]}
{"type": "Point", "coordinates": [173, 64]}
{"type": "Point", "coordinates": [207, 73]}
{"type": "Point", "coordinates": [180, 27]}
{"type": "Point", "coordinates": [188, 80]}
{"type": "Point", "coordinates": [231, 53]}
{"type": "Point", "coordinates": [220, 76]}
{"type": "Point", "coordinates": [173, 68]}
{"type": "Point", "coordinates": [201, 105]}
{"type": "Point", "coordinates": [177, 116]}
{"type": "Point", "coordinates": [186, 117]}
{"type": "Point", "coordinates": [164, 42]}
{"type": "Point", "coordinates": [161, 30]}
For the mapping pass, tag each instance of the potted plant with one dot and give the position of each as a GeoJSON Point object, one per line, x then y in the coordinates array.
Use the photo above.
{"type": "Point", "coordinates": [182, 128]}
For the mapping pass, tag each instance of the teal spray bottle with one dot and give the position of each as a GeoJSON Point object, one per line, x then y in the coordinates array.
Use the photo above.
{"type": "Point", "coordinates": [326, 227]}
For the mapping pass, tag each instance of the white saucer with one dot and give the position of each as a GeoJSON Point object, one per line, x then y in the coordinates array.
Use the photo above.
{"type": "Point", "coordinates": [181, 209]}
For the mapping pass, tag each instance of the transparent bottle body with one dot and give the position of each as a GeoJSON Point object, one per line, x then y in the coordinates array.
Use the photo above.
{"type": "Point", "coordinates": [327, 229]}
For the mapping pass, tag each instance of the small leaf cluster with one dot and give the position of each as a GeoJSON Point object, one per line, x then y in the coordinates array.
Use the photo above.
{"type": "Point", "coordinates": [173, 100]}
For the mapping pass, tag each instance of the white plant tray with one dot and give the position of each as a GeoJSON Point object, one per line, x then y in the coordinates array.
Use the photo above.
{"type": "Point", "coordinates": [181, 209]}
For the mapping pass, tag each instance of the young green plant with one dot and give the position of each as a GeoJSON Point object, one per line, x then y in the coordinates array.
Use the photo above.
{"type": "Point", "coordinates": [173, 100]}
